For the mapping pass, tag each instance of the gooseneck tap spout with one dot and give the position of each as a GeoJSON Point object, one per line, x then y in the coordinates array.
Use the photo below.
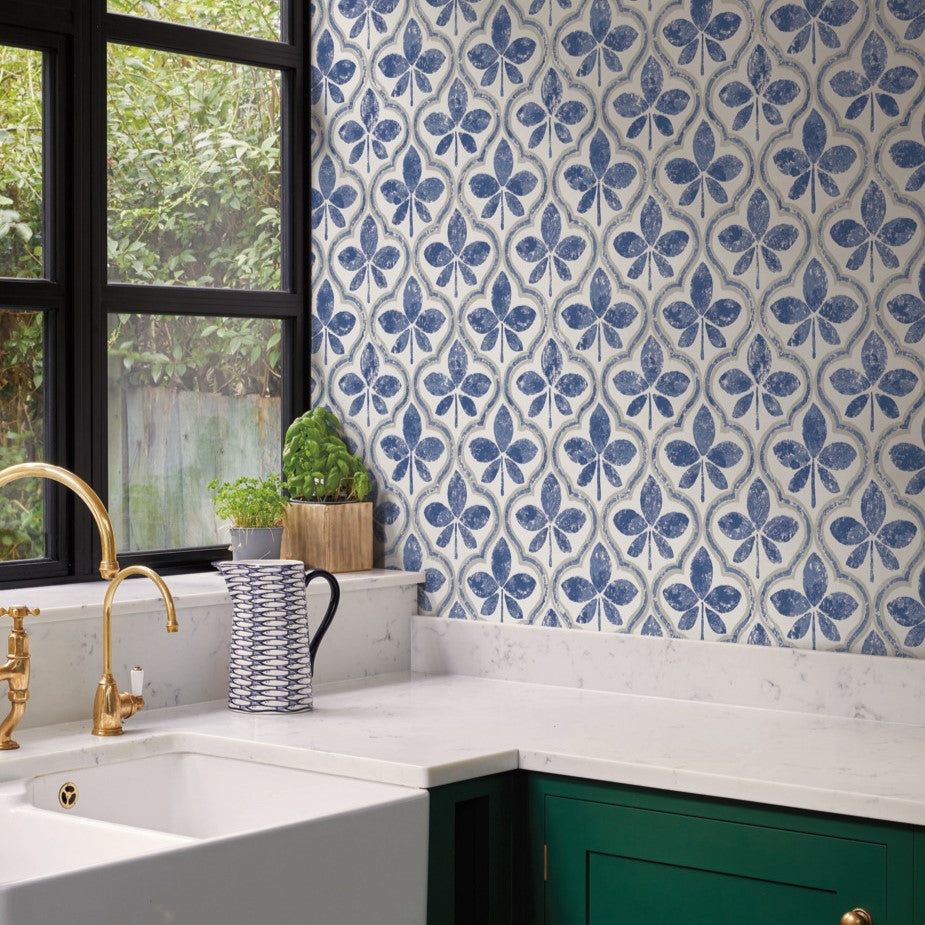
{"type": "Point", "coordinates": [110, 706]}
{"type": "Point", "coordinates": [109, 566]}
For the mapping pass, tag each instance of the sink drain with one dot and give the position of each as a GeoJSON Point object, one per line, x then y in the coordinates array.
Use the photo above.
{"type": "Point", "coordinates": [67, 795]}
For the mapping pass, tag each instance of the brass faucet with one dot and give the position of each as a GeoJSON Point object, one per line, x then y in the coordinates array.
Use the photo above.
{"type": "Point", "coordinates": [16, 673]}
{"type": "Point", "coordinates": [110, 705]}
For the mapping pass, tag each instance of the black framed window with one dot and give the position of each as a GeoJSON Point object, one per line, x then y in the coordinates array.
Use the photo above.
{"type": "Point", "coordinates": [153, 306]}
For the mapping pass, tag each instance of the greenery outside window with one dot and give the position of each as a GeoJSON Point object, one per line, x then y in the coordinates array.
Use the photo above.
{"type": "Point", "coordinates": [153, 307]}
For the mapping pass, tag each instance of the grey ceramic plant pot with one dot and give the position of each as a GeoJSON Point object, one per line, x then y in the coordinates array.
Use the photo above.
{"type": "Point", "coordinates": [256, 542]}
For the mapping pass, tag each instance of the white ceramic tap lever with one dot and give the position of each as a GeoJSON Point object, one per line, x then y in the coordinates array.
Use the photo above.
{"type": "Point", "coordinates": [138, 680]}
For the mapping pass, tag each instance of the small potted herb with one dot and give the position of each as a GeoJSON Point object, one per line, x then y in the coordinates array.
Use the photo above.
{"type": "Point", "coordinates": [256, 509]}
{"type": "Point", "coordinates": [329, 522]}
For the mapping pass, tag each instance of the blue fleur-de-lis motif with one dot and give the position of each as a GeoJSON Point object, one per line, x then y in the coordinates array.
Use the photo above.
{"type": "Point", "coordinates": [654, 107]}
{"type": "Point", "coordinates": [600, 455]}
{"type": "Point", "coordinates": [500, 589]}
{"type": "Point", "coordinates": [457, 519]}
{"type": "Point", "coordinates": [458, 124]}
{"type": "Point", "coordinates": [810, 18]}
{"type": "Point", "coordinates": [537, 5]}
{"type": "Point", "coordinates": [815, 163]}
{"type": "Point", "coordinates": [912, 12]}
{"type": "Point", "coordinates": [909, 457]}
{"type": "Point", "coordinates": [552, 387]}
{"type": "Point", "coordinates": [457, 387]}
{"type": "Point", "coordinates": [650, 246]}
{"type": "Point", "coordinates": [814, 311]}
{"type": "Point", "coordinates": [910, 155]}
{"type": "Point", "coordinates": [413, 561]}
{"type": "Point", "coordinates": [328, 75]}
{"type": "Point", "coordinates": [456, 258]}
{"type": "Point", "coordinates": [368, 261]}
{"type": "Point", "coordinates": [649, 525]}
{"type": "Point", "coordinates": [700, 600]}
{"type": "Point", "coordinates": [702, 315]}
{"type": "Point", "coordinates": [369, 388]}
{"type": "Point", "coordinates": [414, 65]}
{"type": "Point", "coordinates": [762, 96]}
{"type": "Point", "coordinates": [814, 457]}
{"type": "Point", "coordinates": [367, 14]}
{"type": "Point", "coordinates": [328, 326]}
{"type": "Point", "coordinates": [454, 8]}
{"type": "Point", "coordinates": [876, 384]}
{"type": "Point", "coordinates": [910, 613]}
{"type": "Point", "coordinates": [412, 324]}
{"type": "Point", "coordinates": [758, 241]}
{"type": "Point", "coordinates": [329, 200]}
{"type": "Point", "coordinates": [371, 134]}
{"type": "Point", "coordinates": [600, 593]}
{"type": "Point", "coordinates": [602, 44]}
{"type": "Point", "coordinates": [758, 383]}
{"type": "Point", "coordinates": [551, 523]}
{"type": "Point", "coordinates": [550, 251]}
{"type": "Point", "coordinates": [910, 309]}
{"type": "Point", "coordinates": [600, 320]}
{"type": "Point", "coordinates": [876, 83]}
{"type": "Point", "coordinates": [504, 454]}
{"type": "Point", "coordinates": [812, 606]}
{"type": "Point", "coordinates": [413, 192]}
{"type": "Point", "coordinates": [503, 187]}
{"type": "Point", "coordinates": [554, 116]}
{"type": "Point", "coordinates": [703, 32]}
{"type": "Point", "coordinates": [503, 55]}
{"type": "Point", "coordinates": [704, 174]}
{"type": "Point", "coordinates": [599, 179]}
{"type": "Point", "coordinates": [652, 386]}
{"type": "Point", "coordinates": [412, 451]}
{"type": "Point", "coordinates": [875, 234]}
{"type": "Point", "coordinates": [756, 529]}
{"type": "Point", "coordinates": [871, 533]}
{"type": "Point", "coordinates": [704, 458]}
{"type": "Point", "coordinates": [499, 322]}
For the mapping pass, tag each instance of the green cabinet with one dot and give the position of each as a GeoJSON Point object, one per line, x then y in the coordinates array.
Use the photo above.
{"type": "Point", "coordinates": [614, 854]}
{"type": "Point", "coordinates": [536, 849]}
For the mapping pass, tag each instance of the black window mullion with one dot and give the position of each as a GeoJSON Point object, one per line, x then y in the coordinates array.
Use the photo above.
{"type": "Point", "coordinates": [202, 43]}
{"type": "Point", "coordinates": [181, 300]}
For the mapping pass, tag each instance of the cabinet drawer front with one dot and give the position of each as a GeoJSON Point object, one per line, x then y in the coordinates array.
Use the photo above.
{"type": "Point", "coordinates": [609, 863]}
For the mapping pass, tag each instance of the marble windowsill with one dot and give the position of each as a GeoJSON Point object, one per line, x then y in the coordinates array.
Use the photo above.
{"type": "Point", "coordinates": [197, 589]}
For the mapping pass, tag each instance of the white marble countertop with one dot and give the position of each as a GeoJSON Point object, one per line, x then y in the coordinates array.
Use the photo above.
{"type": "Point", "coordinates": [422, 731]}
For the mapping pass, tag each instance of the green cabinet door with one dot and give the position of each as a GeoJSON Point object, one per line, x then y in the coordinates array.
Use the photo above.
{"type": "Point", "coordinates": [615, 855]}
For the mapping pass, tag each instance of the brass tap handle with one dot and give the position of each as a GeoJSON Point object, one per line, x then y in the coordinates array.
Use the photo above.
{"type": "Point", "coordinates": [18, 614]}
{"type": "Point", "coordinates": [857, 917]}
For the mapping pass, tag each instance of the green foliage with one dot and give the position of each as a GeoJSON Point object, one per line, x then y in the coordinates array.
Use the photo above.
{"type": "Point", "coordinates": [317, 464]}
{"type": "Point", "coordinates": [249, 502]}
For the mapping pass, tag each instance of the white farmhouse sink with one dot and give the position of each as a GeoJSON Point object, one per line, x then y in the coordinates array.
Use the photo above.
{"type": "Point", "coordinates": [202, 796]}
{"type": "Point", "coordinates": [189, 837]}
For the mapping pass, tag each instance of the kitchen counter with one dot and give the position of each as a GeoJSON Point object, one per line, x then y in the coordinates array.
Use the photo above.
{"type": "Point", "coordinates": [422, 730]}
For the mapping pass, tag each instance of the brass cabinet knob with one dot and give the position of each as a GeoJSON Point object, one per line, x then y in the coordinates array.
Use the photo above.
{"type": "Point", "coordinates": [857, 917]}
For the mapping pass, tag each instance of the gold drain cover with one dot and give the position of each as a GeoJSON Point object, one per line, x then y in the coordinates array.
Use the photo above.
{"type": "Point", "coordinates": [67, 795]}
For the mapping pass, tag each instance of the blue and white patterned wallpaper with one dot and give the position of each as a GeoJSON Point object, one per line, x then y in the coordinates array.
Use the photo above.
{"type": "Point", "coordinates": [623, 301]}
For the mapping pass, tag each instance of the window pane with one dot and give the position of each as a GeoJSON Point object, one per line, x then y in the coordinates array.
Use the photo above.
{"type": "Point", "coordinates": [255, 18]}
{"type": "Point", "coordinates": [190, 399]}
{"type": "Point", "coordinates": [194, 171]}
{"type": "Point", "coordinates": [21, 219]}
{"type": "Point", "coordinates": [22, 403]}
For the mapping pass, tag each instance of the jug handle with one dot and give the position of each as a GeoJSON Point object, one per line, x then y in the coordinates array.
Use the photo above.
{"type": "Point", "coordinates": [310, 575]}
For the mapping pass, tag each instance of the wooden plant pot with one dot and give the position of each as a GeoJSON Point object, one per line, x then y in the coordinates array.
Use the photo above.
{"type": "Point", "coordinates": [336, 537]}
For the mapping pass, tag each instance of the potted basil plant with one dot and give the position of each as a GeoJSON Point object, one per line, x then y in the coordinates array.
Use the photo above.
{"type": "Point", "coordinates": [256, 509]}
{"type": "Point", "coordinates": [329, 522]}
